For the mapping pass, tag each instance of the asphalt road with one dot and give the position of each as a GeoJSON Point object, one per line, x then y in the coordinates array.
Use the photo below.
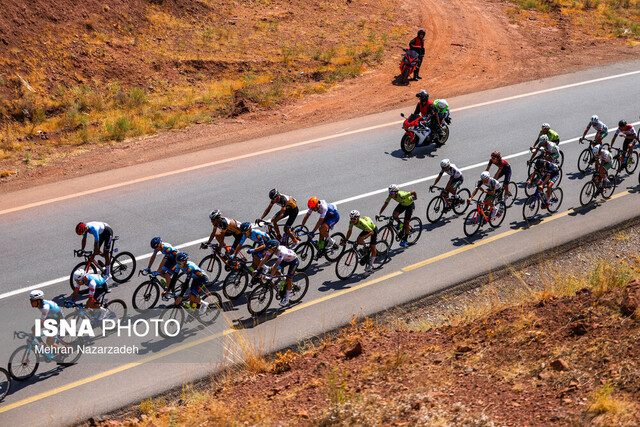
{"type": "Point", "coordinates": [351, 163]}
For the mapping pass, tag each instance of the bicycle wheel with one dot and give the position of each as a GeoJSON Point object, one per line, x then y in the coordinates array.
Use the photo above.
{"type": "Point", "coordinates": [530, 207]}
{"type": "Point", "coordinates": [386, 234]}
{"type": "Point", "coordinates": [23, 363]}
{"type": "Point", "coordinates": [179, 284]}
{"type": "Point", "coordinates": [305, 252]}
{"type": "Point", "coordinates": [471, 223]}
{"type": "Point", "coordinates": [116, 310]}
{"type": "Point", "coordinates": [213, 311]}
{"type": "Point", "coordinates": [235, 284]}
{"type": "Point", "coordinates": [300, 285]}
{"type": "Point", "coordinates": [5, 383]}
{"type": "Point", "coordinates": [435, 209]}
{"type": "Point", "coordinates": [632, 162]}
{"type": "Point", "coordinates": [497, 215]}
{"type": "Point", "coordinates": [260, 299]}
{"type": "Point", "coordinates": [145, 296]}
{"type": "Point", "coordinates": [415, 230]}
{"type": "Point", "coordinates": [556, 200]}
{"type": "Point", "coordinates": [332, 253]}
{"type": "Point", "coordinates": [513, 194]}
{"type": "Point", "coordinates": [83, 265]}
{"type": "Point", "coordinates": [616, 167]}
{"type": "Point", "coordinates": [560, 160]}
{"type": "Point", "coordinates": [530, 189]}
{"type": "Point", "coordinates": [212, 266]}
{"type": "Point", "coordinates": [172, 321]}
{"type": "Point", "coordinates": [346, 264]}
{"type": "Point", "coordinates": [607, 192]}
{"type": "Point", "coordinates": [461, 205]}
{"type": "Point", "coordinates": [123, 266]}
{"type": "Point", "coordinates": [71, 357]}
{"type": "Point", "coordinates": [584, 159]}
{"type": "Point", "coordinates": [587, 193]}
{"type": "Point", "coordinates": [382, 255]}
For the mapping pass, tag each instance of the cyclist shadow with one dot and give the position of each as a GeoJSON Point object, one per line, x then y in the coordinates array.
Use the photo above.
{"type": "Point", "coordinates": [464, 241]}
{"type": "Point", "coordinates": [51, 373]}
{"type": "Point", "coordinates": [338, 284]}
{"type": "Point", "coordinates": [575, 175]}
{"type": "Point", "coordinates": [583, 210]}
{"type": "Point", "coordinates": [428, 226]}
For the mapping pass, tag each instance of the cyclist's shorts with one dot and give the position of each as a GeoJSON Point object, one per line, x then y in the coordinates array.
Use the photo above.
{"type": "Point", "coordinates": [196, 284]}
{"type": "Point", "coordinates": [260, 254]}
{"type": "Point", "coordinates": [292, 267]}
{"type": "Point", "coordinates": [627, 142]}
{"type": "Point", "coordinates": [490, 197]}
{"type": "Point", "coordinates": [331, 218]}
{"type": "Point", "coordinates": [604, 132]}
{"type": "Point", "coordinates": [106, 237]}
{"type": "Point", "coordinates": [408, 210]}
{"type": "Point", "coordinates": [456, 182]}
{"type": "Point", "coordinates": [100, 289]}
{"type": "Point", "coordinates": [169, 263]}
{"type": "Point", "coordinates": [553, 177]}
{"type": "Point", "coordinates": [236, 239]}
{"type": "Point", "coordinates": [607, 165]}
{"type": "Point", "coordinates": [291, 214]}
{"type": "Point", "coordinates": [374, 236]}
{"type": "Point", "coordinates": [506, 172]}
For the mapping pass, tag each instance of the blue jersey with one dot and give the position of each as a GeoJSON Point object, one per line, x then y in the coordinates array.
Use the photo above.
{"type": "Point", "coordinates": [166, 249]}
{"type": "Point", "coordinates": [94, 281]}
{"type": "Point", "coordinates": [192, 270]}
{"type": "Point", "coordinates": [96, 228]}
{"type": "Point", "coordinates": [50, 310]}
{"type": "Point", "coordinates": [258, 236]}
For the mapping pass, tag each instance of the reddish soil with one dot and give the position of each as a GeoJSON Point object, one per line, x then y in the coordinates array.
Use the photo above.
{"type": "Point", "coordinates": [472, 45]}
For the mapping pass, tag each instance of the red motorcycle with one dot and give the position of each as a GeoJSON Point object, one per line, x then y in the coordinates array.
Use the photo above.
{"type": "Point", "coordinates": [418, 133]}
{"type": "Point", "coordinates": [408, 65]}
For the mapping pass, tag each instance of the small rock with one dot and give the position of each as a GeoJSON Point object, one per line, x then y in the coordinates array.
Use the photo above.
{"type": "Point", "coordinates": [353, 350]}
{"type": "Point", "coordinates": [559, 365]}
{"type": "Point", "coordinates": [416, 405]}
{"type": "Point", "coordinates": [303, 414]}
{"type": "Point", "coordinates": [463, 349]}
{"type": "Point", "coordinates": [545, 375]}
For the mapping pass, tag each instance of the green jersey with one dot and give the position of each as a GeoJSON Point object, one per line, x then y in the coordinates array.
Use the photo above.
{"type": "Point", "coordinates": [364, 223]}
{"type": "Point", "coordinates": [402, 197]}
{"type": "Point", "coordinates": [552, 134]}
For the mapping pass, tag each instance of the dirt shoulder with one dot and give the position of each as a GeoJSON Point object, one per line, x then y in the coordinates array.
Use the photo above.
{"type": "Point", "coordinates": [472, 45]}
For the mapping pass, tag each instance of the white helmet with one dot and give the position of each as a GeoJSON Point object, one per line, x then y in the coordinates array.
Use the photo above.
{"type": "Point", "coordinates": [546, 126]}
{"type": "Point", "coordinates": [393, 188]}
{"type": "Point", "coordinates": [484, 175]}
{"type": "Point", "coordinates": [595, 150]}
{"type": "Point", "coordinates": [36, 294]}
{"type": "Point", "coordinates": [354, 214]}
{"type": "Point", "coordinates": [594, 119]}
{"type": "Point", "coordinates": [442, 104]}
{"type": "Point", "coordinates": [543, 138]}
{"type": "Point", "coordinates": [78, 275]}
{"type": "Point", "coordinates": [445, 163]}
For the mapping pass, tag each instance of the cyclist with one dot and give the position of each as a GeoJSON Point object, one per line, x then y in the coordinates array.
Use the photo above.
{"type": "Point", "coordinates": [48, 310]}
{"type": "Point", "coordinates": [329, 217]}
{"type": "Point", "coordinates": [549, 133]}
{"type": "Point", "coordinates": [227, 226]}
{"type": "Point", "coordinates": [102, 235]}
{"type": "Point", "coordinates": [165, 269]}
{"type": "Point", "coordinates": [549, 173]}
{"type": "Point", "coordinates": [285, 258]}
{"type": "Point", "coordinates": [417, 45]}
{"type": "Point", "coordinates": [603, 160]}
{"type": "Point", "coordinates": [441, 113]}
{"type": "Point", "coordinates": [198, 280]}
{"type": "Point", "coordinates": [504, 170]}
{"type": "Point", "coordinates": [629, 134]}
{"type": "Point", "coordinates": [258, 236]}
{"type": "Point", "coordinates": [368, 228]}
{"type": "Point", "coordinates": [97, 286]}
{"type": "Point", "coordinates": [455, 178]}
{"type": "Point", "coordinates": [493, 186]}
{"type": "Point", "coordinates": [405, 204]}
{"type": "Point", "coordinates": [288, 209]}
{"type": "Point", "coordinates": [601, 129]}
{"type": "Point", "coordinates": [549, 148]}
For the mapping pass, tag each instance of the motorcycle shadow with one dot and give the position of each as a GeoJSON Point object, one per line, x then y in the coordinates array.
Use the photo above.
{"type": "Point", "coordinates": [397, 81]}
{"type": "Point", "coordinates": [419, 152]}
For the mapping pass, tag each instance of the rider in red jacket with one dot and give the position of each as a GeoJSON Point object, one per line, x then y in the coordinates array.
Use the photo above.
{"type": "Point", "coordinates": [417, 44]}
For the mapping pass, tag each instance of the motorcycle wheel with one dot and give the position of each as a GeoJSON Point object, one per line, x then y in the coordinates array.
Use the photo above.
{"type": "Point", "coordinates": [404, 79]}
{"type": "Point", "coordinates": [407, 144]}
{"type": "Point", "coordinates": [445, 138]}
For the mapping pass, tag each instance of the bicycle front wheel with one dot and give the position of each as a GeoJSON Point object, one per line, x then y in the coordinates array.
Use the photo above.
{"type": "Point", "coordinates": [560, 160]}
{"type": "Point", "coordinates": [260, 299]}
{"type": "Point", "coordinates": [588, 193]}
{"type": "Point", "coordinates": [435, 209]}
{"type": "Point", "coordinates": [382, 255]}
{"type": "Point", "coordinates": [497, 215]}
{"type": "Point", "coordinates": [461, 206]}
{"type": "Point", "coordinates": [145, 296]}
{"type": "Point", "coordinates": [305, 252]}
{"type": "Point", "coordinates": [346, 264]}
{"type": "Point", "coordinates": [212, 267]}
{"type": "Point", "coordinates": [530, 208]}
{"type": "Point", "coordinates": [23, 363]}
{"type": "Point", "coordinates": [83, 265]}
{"type": "Point", "coordinates": [300, 285]}
{"type": "Point", "coordinates": [5, 383]}
{"type": "Point", "coordinates": [584, 159]}
{"type": "Point", "coordinates": [213, 311]}
{"type": "Point", "coordinates": [235, 284]}
{"type": "Point", "coordinates": [415, 230]}
{"type": "Point", "coordinates": [336, 249]}
{"type": "Point", "coordinates": [71, 357]}
{"type": "Point", "coordinates": [116, 310]}
{"type": "Point", "coordinates": [122, 267]}
{"type": "Point", "coordinates": [172, 321]}
{"type": "Point", "coordinates": [386, 234]}
{"type": "Point", "coordinates": [607, 192]}
{"type": "Point", "coordinates": [632, 162]}
{"type": "Point", "coordinates": [513, 194]}
{"type": "Point", "coordinates": [471, 223]}
{"type": "Point", "coordinates": [556, 200]}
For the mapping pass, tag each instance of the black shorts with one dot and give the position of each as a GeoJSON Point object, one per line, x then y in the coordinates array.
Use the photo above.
{"type": "Point", "coordinates": [106, 238]}
{"type": "Point", "coordinates": [100, 289]}
{"type": "Point", "coordinates": [506, 172]}
{"type": "Point", "coordinates": [289, 213]}
{"type": "Point", "coordinates": [408, 210]}
{"type": "Point", "coordinates": [626, 143]}
{"type": "Point", "coordinates": [236, 238]}
{"type": "Point", "coordinates": [374, 236]}
{"type": "Point", "coordinates": [198, 283]}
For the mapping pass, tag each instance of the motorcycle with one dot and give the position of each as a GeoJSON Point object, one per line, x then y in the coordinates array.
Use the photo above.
{"type": "Point", "coordinates": [408, 65]}
{"type": "Point", "coordinates": [418, 132]}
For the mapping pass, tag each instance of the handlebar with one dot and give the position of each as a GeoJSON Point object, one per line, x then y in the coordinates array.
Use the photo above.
{"type": "Point", "coordinates": [383, 218]}
{"type": "Point", "coordinates": [21, 334]}
{"type": "Point", "coordinates": [80, 252]}
{"type": "Point", "coordinates": [144, 272]}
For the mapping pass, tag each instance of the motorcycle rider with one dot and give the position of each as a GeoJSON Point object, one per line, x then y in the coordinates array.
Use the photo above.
{"type": "Point", "coordinates": [425, 105]}
{"type": "Point", "coordinates": [417, 45]}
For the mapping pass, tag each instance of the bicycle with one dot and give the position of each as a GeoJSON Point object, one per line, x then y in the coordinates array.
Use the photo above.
{"type": "Point", "coordinates": [212, 263]}
{"type": "Point", "coordinates": [24, 361]}
{"type": "Point", "coordinates": [284, 238]}
{"type": "Point", "coordinates": [185, 311]}
{"type": "Point", "coordinates": [542, 154]}
{"type": "Point", "coordinates": [390, 231]}
{"type": "Point", "coordinates": [147, 294]}
{"type": "Point", "coordinates": [116, 310]}
{"type": "Point", "coordinates": [533, 202]}
{"type": "Point", "coordinates": [350, 258]}
{"type": "Point", "coordinates": [620, 162]}
{"type": "Point", "coordinates": [120, 269]}
{"type": "Point", "coordinates": [443, 203]}
{"type": "Point", "coordinates": [530, 189]}
{"type": "Point", "coordinates": [309, 250]}
{"type": "Point", "coordinates": [478, 217]}
{"type": "Point", "coordinates": [5, 383]}
{"type": "Point", "coordinates": [236, 282]}
{"type": "Point", "coordinates": [513, 194]}
{"type": "Point", "coordinates": [260, 298]}
{"type": "Point", "coordinates": [595, 187]}
{"type": "Point", "coordinates": [586, 157]}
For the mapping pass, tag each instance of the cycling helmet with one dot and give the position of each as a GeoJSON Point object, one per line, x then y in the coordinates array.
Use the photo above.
{"type": "Point", "coordinates": [540, 164]}
{"type": "Point", "coordinates": [313, 203]}
{"type": "Point", "coordinates": [421, 30]}
{"type": "Point", "coordinates": [546, 126]}
{"type": "Point", "coordinates": [595, 150]}
{"type": "Point", "coordinates": [215, 214]}
{"type": "Point", "coordinates": [245, 226]}
{"type": "Point", "coordinates": [273, 193]}
{"type": "Point", "coordinates": [622, 123]}
{"type": "Point", "coordinates": [36, 294]}
{"type": "Point", "coordinates": [272, 244]}
{"type": "Point", "coordinates": [354, 214]}
{"type": "Point", "coordinates": [78, 275]}
{"type": "Point", "coordinates": [81, 228]}
{"type": "Point", "coordinates": [496, 155]}
{"type": "Point", "coordinates": [393, 188]}
{"type": "Point", "coordinates": [155, 242]}
{"type": "Point", "coordinates": [182, 257]}
{"type": "Point", "coordinates": [484, 175]}
{"type": "Point", "coordinates": [442, 104]}
{"type": "Point", "coordinates": [423, 94]}
{"type": "Point", "coordinates": [594, 119]}
{"type": "Point", "coordinates": [543, 138]}
{"type": "Point", "coordinates": [445, 163]}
